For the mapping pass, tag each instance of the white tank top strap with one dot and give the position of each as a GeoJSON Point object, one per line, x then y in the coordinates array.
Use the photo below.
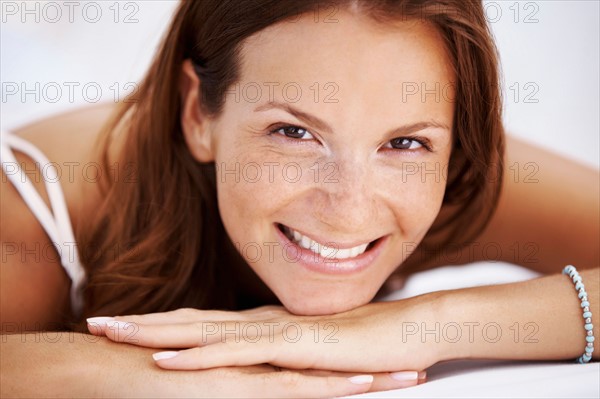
{"type": "Point", "coordinates": [57, 222]}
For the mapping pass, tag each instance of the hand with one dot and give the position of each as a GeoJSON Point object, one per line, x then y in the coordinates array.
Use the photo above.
{"type": "Point", "coordinates": [272, 335]}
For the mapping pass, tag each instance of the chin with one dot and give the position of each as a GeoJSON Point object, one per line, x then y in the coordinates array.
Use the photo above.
{"type": "Point", "coordinates": [317, 306]}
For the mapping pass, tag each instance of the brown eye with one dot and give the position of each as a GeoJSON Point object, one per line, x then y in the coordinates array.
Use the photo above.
{"type": "Point", "coordinates": [294, 132]}
{"type": "Point", "coordinates": [404, 143]}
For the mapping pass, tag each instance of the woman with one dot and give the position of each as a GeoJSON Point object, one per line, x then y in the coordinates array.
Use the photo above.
{"type": "Point", "coordinates": [270, 160]}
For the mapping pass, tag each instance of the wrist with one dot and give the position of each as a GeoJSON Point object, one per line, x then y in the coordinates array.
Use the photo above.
{"type": "Point", "coordinates": [428, 326]}
{"type": "Point", "coordinates": [445, 306]}
{"type": "Point", "coordinates": [450, 309]}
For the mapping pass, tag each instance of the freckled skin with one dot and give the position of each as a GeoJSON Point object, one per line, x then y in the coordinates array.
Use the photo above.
{"type": "Point", "coordinates": [353, 186]}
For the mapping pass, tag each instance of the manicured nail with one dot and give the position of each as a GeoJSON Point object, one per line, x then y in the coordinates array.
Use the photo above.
{"type": "Point", "coordinates": [361, 379]}
{"type": "Point", "coordinates": [422, 375]}
{"type": "Point", "coordinates": [164, 355]}
{"type": "Point", "coordinates": [405, 375]}
{"type": "Point", "coordinates": [99, 321]}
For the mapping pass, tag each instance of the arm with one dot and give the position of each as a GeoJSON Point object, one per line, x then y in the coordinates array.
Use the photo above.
{"type": "Point", "coordinates": [538, 319]}
{"type": "Point", "coordinates": [34, 289]}
{"type": "Point", "coordinates": [65, 364]}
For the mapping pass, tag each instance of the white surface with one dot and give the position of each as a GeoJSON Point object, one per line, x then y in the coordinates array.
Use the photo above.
{"type": "Point", "coordinates": [502, 379]}
{"type": "Point", "coordinates": [553, 44]}
{"type": "Point", "coordinates": [451, 277]}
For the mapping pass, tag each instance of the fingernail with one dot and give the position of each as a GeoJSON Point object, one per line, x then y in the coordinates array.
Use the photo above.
{"type": "Point", "coordinates": [99, 321]}
{"type": "Point", "coordinates": [361, 379]}
{"type": "Point", "coordinates": [164, 355]}
{"type": "Point", "coordinates": [422, 375]}
{"type": "Point", "coordinates": [405, 375]}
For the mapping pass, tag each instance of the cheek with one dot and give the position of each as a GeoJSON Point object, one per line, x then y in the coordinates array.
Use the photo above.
{"type": "Point", "coordinates": [416, 195]}
{"type": "Point", "coordinates": [241, 200]}
{"type": "Point", "coordinates": [250, 192]}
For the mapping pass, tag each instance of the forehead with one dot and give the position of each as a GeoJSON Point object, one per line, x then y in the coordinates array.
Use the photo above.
{"type": "Point", "coordinates": [355, 52]}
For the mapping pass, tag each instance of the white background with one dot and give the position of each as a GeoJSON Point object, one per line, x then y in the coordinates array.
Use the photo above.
{"type": "Point", "coordinates": [549, 50]}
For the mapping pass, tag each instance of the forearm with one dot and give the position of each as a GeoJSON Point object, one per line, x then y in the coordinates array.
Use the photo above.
{"type": "Point", "coordinates": [539, 319]}
{"type": "Point", "coordinates": [64, 364]}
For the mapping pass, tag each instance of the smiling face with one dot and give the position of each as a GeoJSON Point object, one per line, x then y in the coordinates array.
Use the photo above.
{"type": "Point", "coordinates": [331, 163]}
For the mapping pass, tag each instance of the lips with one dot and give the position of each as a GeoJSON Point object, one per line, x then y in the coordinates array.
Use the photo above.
{"type": "Point", "coordinates": [312, 261]}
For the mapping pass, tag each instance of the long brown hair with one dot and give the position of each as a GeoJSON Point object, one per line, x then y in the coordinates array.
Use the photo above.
{"type": "Point", "coordinates": [152, 245]}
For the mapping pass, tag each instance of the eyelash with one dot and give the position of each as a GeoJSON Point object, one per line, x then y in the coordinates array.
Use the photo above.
{"type": "Point", "coordinates": [424, 142]}
{"type": "Point", "coordinates": [277, 130]}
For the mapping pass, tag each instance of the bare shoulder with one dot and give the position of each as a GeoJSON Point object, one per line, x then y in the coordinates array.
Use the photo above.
{"type": "Point", "coordinates": [34, 287]}
{"type": "Point", "coordinates": [65, 135]}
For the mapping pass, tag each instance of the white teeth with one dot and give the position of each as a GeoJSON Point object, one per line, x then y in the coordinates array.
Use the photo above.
{"type": "Point", "coordinates": [315, 247]}
{"type": "Point", "coordinates": [327, 252]}
{"type": "Point", "coordinates": [323, 250]}
{"type": "Point", "coordinates": [344, 253]}
{"type": "Point", "coordinates": [305, 242]}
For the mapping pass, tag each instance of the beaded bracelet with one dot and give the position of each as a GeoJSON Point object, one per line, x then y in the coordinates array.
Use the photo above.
{"type": "Point", "coordinates": [587, 315]}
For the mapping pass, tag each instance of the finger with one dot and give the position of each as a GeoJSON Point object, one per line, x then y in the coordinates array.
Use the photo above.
{"type": "Point", "coordinates": [397, 380]}
{"type": "Point", "coordinates": [170, 335]}
{"type": "Point", "coordinates": [97, 325]}
{"type": "Point", "coordinates": [292, 384]}
{"type": "Point", "coordinates": [383, 381]}
{"type": "Point", "coordinates": [228, 353]}
{"type": "Point", "coordinates": [240, 351]}
{"type": "Point", "coordinates": [184, 315]}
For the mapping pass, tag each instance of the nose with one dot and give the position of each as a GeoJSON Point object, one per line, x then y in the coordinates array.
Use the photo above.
{"type": "Point", "coordinates": [345, 199]}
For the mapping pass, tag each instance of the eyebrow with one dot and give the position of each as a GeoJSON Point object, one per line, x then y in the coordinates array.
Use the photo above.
{"type": "Point", "coordinates": [323, 126]}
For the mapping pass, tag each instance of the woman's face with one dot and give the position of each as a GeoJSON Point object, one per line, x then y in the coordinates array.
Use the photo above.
{"type": "Point", "coordinates": [332, 154]}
